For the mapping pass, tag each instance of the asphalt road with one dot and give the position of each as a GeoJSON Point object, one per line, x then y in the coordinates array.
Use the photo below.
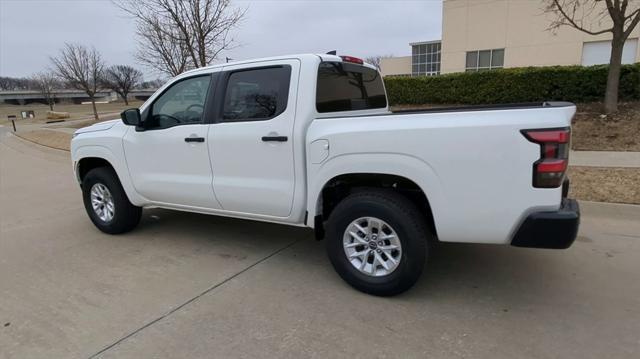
{"type": "Point", "coordinates": [186, 285]}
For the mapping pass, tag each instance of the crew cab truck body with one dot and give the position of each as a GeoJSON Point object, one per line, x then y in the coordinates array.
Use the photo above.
{"type": "Point", "coordinates": [308, 140]}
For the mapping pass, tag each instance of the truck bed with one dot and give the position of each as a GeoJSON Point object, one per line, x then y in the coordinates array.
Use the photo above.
{"type": "Point", "coordinates": [473, 162]}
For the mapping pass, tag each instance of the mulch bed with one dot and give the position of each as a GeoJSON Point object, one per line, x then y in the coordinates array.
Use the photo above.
{"type": "Point", "coordinates": [593, 131]}
{"type": "Point", "coordinates": [618, 185]}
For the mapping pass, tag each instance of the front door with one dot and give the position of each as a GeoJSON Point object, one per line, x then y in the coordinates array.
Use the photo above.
{"type": "Point", "coordinates": [167, 157]}
{"type": "Point", "coordinates": [252, 142]}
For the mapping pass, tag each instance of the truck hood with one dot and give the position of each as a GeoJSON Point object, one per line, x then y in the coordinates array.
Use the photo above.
{"type": "Point", "coordinates": [102, 126]}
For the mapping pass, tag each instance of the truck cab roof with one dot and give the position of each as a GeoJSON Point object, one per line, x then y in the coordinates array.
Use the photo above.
{"type": "Point", "coordinates": [302, 57]}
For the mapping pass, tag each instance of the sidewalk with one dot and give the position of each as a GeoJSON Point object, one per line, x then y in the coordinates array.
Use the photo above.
{"type": "Point", "coordinates": [604, 159]}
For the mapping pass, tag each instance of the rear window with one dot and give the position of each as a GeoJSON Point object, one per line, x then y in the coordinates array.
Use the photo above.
{"type": "Point", "coordinates": [348, 87]}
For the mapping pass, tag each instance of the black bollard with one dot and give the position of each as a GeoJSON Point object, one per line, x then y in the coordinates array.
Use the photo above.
{"type": "Point", "coordinates": [13, 121]}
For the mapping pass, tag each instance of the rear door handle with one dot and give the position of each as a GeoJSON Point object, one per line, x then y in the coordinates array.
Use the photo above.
{"type": "Point", "coordinates": [274, 138]}
{"type": "Point", "coordinates": [194, 139]}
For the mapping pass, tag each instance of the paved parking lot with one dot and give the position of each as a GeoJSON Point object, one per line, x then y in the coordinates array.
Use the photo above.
{"type": "Point", "coordinates": [187, 285]}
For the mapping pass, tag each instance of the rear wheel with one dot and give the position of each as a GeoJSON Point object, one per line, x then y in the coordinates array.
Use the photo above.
{"type": "Point", "coordinates": [106, 202]}
{"type": "Point", "coordinates": [377, 241]}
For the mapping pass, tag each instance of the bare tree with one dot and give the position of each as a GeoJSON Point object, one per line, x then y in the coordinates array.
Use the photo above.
{"type": "Point", "coordinates": [121, 79]}
{"type": "Point", "coordinates": [81, 68]}
{"type": "Point", "coordinates": [191, 32]}
{"type": "Point", "coordinates": [46, 82]}
{"type": "Point", "coordinates": [158, 50]}
{"type": "Point", "coordinates": [620, 18]}
{"type": "Point", "coordinates": [376, 60]}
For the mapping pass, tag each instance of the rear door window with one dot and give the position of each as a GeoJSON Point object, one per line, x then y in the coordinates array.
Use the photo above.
{"type": "Point", "coordinates": [256, 94]}
{"type": "Point", "coordinates": [348, 87]}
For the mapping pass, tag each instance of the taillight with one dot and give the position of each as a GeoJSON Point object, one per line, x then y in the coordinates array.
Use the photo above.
{"type": "Point", "coordinates": [549, 170]}
{"type": "Point", "coordinates": [352, 59]}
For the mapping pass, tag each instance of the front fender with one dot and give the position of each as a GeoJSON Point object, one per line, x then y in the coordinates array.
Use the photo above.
{"type": "Point", "coordinates": [118, 164]}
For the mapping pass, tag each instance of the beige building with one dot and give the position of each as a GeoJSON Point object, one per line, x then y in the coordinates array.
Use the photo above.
{"type": "Point", "coordinates": [396, 66]}
{"type": "Point", "coordinates": [480, 35]}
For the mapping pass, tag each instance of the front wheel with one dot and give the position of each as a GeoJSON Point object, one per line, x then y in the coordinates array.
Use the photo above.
{"type": "Point", "coordinates": [106, 202]}
{"type": "Point", "coordinates": [377, 241]}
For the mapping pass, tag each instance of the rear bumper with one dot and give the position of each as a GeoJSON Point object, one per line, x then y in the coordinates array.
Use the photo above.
{"type": "Point", "coordinates": [555, 230]}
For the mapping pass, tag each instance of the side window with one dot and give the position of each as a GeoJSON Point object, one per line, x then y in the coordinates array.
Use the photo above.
{"type": "Point", "coordinates": [182, 104]}
{"type": "Point", "coordinates": [256, 94]}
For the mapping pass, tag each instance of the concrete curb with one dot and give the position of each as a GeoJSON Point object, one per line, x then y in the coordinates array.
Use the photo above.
{"type": "Point", "coordinates": [36, 143]}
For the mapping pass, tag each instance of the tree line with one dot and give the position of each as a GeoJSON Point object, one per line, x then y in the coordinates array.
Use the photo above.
{"type": "Point", "coordinates": [8, 83]}
{"type": "Point", "coordinates": [119, 78]}
{"type": "Point", "coordinates": [80, 68]}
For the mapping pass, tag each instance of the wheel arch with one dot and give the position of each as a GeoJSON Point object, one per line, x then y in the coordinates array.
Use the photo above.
{"type": "Point", "coordinates": [86, 164]}
{"type": "Point", "coordinates": [88, 157]}
{"type": "Point", "coordinates": [407, 175]}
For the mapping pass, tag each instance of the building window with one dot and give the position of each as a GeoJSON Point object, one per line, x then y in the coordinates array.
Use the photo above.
{"type": "Point", "coordinates": [599, 52]}
{"type": "Point", "coordinates": [425, 59]}
{"type": "Point", "coordinates": [485, 60]}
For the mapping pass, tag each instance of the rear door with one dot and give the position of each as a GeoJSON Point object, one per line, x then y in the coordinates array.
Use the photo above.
{"type": "Point", "coordinates": [251, 143]}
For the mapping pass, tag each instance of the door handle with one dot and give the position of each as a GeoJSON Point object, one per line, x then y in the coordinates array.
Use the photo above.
{"type": "Point", "coordinates": [274, 138]}
{"type": "Point", "coordinates": [194, 139]}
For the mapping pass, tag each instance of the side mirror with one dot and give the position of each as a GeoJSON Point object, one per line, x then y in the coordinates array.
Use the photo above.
{"type": "Point", "coordinates": [131, 117]}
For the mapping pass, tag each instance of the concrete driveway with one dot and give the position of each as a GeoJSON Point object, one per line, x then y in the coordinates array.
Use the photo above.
{"type": "Point", "coordinates": [186, 285]}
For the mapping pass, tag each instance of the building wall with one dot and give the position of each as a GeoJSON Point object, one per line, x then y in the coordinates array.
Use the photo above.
{"type": "Point", "coordinates": [518, 26]}
{"type": "Point", "coordinates": [396, 66]}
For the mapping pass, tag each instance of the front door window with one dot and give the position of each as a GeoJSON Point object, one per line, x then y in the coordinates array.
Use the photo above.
{"type": "Point", "coordinates": [182, 104]}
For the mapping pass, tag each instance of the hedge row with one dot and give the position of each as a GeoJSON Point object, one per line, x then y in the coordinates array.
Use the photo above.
{"type": "Point", "coordinates": [525, 84]}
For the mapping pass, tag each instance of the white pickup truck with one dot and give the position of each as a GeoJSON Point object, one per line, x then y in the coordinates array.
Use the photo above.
{"type": "Point", "coordinates": [308, 140]}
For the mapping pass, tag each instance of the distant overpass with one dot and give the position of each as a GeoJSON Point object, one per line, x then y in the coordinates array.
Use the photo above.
{"type": "Point", "coordinates": [75, 96]}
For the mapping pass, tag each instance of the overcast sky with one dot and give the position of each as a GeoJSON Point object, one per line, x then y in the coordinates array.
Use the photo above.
{"type": "Point", "coordinates": [33, 30]}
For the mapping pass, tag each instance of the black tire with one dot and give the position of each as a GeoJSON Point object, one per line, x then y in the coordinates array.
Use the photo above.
{"type": "Point", "coordinates": [126, 216]}
{"type": "Point", "coordinates": [406, 220]}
